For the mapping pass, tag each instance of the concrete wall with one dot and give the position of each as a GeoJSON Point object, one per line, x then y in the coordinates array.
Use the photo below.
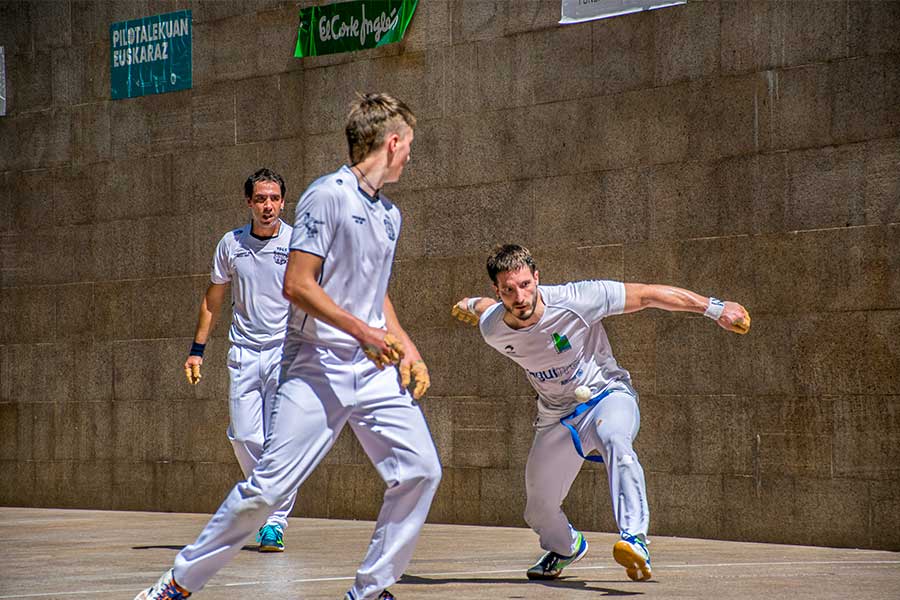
{"type": "Point", "coordinates": [749, 150]}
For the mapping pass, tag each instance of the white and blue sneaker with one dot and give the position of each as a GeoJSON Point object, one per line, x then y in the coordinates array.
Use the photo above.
{"type": "Point", "coordinates": [631, 552]}
{"type": "Point", "coordinates": [165, 589]}
{"type": "Point", "coordinates": [551, 565]}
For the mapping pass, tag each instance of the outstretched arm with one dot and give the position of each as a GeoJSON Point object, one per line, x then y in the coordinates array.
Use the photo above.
{"type": "Point", "coordinates": [469, 310]}
{"type": "Point", "coordinates": [729, 315]}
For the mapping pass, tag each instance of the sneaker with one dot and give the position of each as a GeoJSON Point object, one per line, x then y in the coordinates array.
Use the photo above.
{"type": "Point", "coordinates": [631, 552]}
{"type": "Point", "coordinates": [165, 589]}
{"type": "Point", "coordinates": [384, 595]}
{"type": "Point", "coordinates": [270, 538]}
{"type": "Point", "coordinates": [552, 564]}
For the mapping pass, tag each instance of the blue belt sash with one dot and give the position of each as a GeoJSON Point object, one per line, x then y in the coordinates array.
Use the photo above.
{"type": "Point", "coordinates": [580, 410]}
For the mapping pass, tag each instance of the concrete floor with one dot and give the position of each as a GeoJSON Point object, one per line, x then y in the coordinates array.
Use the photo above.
{"type": "Point", "coordinates": [50, 553]}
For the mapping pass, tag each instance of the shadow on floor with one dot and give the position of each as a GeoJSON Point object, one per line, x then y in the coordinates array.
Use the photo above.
{"type": "Point", "coordinates": [572, 584]}
{"type": "Point", "coordinates": [174, 547]}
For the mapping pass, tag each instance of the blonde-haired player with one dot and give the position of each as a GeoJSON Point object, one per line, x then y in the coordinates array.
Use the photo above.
{"type": "Point", "coordinates": [585, 399]}
{"type": "Point", "coordinates": [341, 349]}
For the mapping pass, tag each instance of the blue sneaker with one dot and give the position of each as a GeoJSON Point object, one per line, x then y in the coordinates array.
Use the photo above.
{"type": "Point", "coordinates": [631, 552]}
{"type": "Point", "coordinates": [270, 538]}
{"type": "Point", "coordinates": [551, 565]}
{"type": "Point", "coordinates": [165, 589]}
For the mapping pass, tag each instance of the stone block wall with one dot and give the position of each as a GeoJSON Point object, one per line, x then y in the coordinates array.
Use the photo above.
{"type": "Point", "coordinates": [744, 149]}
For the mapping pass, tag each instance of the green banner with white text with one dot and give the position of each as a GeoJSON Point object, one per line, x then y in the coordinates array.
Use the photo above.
{"type": "Point", "coordinates": [350, 26]}
{"type": "Point", "coordinates": [151, 55]}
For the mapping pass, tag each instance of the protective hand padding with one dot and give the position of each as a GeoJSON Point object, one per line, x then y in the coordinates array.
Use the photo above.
{"type": "Point", "coordinates": [193, 374]}
{"type": "Point", "coordinates": [393, 355]}
{"type": "Point", "coordinates": [463, 315]}
{"type": "Point", "coordinates": [417, 374]}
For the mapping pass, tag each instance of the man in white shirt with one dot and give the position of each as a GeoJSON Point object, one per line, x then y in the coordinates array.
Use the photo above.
{"type": "Point", "coordinates": [252, 260]}
{"type": "Point", "coordinates": [342, 333]}
{"type": "Point", "coordinates": [585, 399]}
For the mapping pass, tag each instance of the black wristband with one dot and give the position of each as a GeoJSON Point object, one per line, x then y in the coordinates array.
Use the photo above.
{"type": "Point", "coordinates": [197, 349]}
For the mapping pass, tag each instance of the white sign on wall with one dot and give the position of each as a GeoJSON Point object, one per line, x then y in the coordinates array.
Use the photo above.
{"type": "Point", "coordinates": [576, 11]}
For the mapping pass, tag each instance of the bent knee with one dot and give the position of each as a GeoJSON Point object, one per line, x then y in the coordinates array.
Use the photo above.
{"type": "Point", "coordinates": [430, 471]}
{"type": "Point", "coordinates": [426, 473]}
{"type": "Point", "coordinates": [618, 444]}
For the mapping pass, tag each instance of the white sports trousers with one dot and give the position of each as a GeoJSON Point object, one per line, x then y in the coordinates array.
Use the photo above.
{"type": "Point", "coordinates": [253, 374]}
{"type": "Point", "coordinates": [553, 463]}
{"type": "Point", "coordinates": [321, 390]}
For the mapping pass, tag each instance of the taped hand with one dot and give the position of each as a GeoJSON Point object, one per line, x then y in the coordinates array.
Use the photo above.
{"type": "Point", "coordinates": [417, 374]}
{"type": "Point", "coordinates": [392, 354]}
{"type": "Point", "coordinates": [192, 370]}
{"type": "Point", "coordinates": [461, 311]}
{"type": "Point", "coordinates": [735, 318]}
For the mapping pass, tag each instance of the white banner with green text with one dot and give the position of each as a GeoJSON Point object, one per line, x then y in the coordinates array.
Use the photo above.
{"type": "Point", "coordinates": [576, 11]}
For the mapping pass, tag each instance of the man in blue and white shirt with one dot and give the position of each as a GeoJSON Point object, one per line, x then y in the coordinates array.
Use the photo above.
{"type": "Point", "coordinates": [252, 259]}
{"type": "Point", "coordinates": [585, 399]}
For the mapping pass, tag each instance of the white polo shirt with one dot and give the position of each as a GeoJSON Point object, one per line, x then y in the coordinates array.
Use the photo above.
{"type": "Point", "coordinates": [255, 267]}
{"type": "Point", "coordinates": [356, 236]}
{"type": "Point", "coordinates": [567, 348]}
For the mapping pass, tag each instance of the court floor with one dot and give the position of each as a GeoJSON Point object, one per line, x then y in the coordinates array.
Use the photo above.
{"type": "Point", "coordinates": [53, 553]}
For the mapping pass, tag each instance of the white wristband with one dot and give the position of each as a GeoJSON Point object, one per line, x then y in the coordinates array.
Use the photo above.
{"type": "Point", "coordinates": [714, 309]}
{"type": "Point", "coordinates": [470, 304]}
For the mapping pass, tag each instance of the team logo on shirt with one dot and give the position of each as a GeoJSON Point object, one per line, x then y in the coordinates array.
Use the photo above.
{"type": "Point", "coordinates": [389, 228]}
{"type": "Point", "coordinates": [561, 343]}
{"type": "Point", "coordinates": [311, 224]}
{"type": "Point", "coordinates": [280, 255]}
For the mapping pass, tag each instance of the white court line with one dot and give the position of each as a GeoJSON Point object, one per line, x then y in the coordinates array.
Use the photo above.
{"type": "Point", "coordinates": [673, 567]}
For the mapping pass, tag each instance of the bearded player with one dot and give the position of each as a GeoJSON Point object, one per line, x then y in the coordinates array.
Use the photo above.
{"type": "Point", "coordinates": [554, 332]}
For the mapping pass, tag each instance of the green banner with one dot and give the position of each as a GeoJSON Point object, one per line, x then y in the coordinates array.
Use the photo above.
{"type": "Point", "coordinates": [350, 26]}
{"type": "Point", "coordinates": [151, 55]}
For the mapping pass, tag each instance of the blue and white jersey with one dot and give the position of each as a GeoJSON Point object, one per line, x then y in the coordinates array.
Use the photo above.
{"type": "Point", "coordinates": [356, 236]}
{"type": "Point", "coordinates": [255, 267]}
{"type": "Point", "coordinates": [567, 348]}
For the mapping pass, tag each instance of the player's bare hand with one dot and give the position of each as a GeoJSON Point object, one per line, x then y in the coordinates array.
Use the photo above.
{"type": "Point", "coordinates": [415, 374]}
{"type": "Point", "coordinates": [192, 369]}
{"type": "Point", "coordinates": [382, 348]}
{"type": "Point", "coordinates": [734, 318]}
{"type": "Point", "coordinates": [461, 311]}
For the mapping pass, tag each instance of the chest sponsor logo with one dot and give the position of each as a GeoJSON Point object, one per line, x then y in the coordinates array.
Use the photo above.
{"type": "Point", "coordinates": [389, 228]}
{"type": "Point", "coordinates": [311, 224]}
{"type": "Point", "coordinates": [554, 373]}
{"type": "Point", "coordinates": [359, 220]}
{"type": "Point", "coordinates": [561, 343]}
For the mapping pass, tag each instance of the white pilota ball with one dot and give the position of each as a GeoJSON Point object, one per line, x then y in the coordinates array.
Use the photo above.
{"type": "Point", "coordinates": [583, 393]}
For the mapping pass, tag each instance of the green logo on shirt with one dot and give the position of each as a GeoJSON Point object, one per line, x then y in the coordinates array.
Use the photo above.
{"type": "Point", "coordinates": [561, 343]}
